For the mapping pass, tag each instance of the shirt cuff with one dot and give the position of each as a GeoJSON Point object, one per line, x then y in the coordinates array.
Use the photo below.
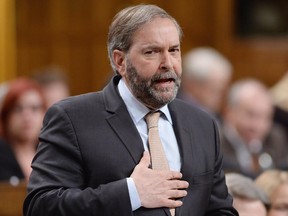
{"type": "Point", "coordinates": [134, 197]}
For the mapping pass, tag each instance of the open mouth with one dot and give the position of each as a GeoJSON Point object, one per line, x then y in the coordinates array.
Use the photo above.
{"type": "Point", "coordinates": [165, 83]}
{"type": "Point", "coordinates": [165, 80]}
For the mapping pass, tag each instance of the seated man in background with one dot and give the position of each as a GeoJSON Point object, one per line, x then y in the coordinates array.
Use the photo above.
{"type": "Point", "coordinates": [248, 199]}
{"type": "Point", "coordinates": [206, 75]}
{"type": "Point", "coordinates": [250, 141]}
{"type": "Point", "coordinates": [280, 98]}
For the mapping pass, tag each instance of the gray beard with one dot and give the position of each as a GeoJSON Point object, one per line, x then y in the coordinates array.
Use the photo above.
{"type": "Point", "coordinates": [143, 88]}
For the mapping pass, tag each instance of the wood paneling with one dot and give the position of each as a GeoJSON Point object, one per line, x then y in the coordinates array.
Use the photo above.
{"type": "Point", "coordinates": [73, 34]}
{"type": "Point", "coordinates": [12, 198]}
{"type": "Point", "coordinates": [7, 40]}
{"type": "Point", "coordinates": [70, 34]}
{"type": "Point", "coordinates": [265, 59]}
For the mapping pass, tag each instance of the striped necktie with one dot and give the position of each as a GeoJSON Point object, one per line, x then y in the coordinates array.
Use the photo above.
{"type": "Point", "coordinates": [158, 157]}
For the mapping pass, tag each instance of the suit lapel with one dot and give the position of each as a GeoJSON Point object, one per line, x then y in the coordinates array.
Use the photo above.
{"type": "Point", "coordinates": [185, 140]}
{"type": "Point", "coordinates": [183, 135]}
{"type": "Point", "coordinates": [121, 122]}
{"type": "Point", "coordinates": [124, 127]}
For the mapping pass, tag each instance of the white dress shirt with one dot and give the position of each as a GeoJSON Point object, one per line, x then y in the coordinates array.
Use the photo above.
{"type": "Point", "coordinates": [138, 111]}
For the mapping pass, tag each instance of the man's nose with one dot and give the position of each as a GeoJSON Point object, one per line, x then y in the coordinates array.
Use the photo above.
{"type": "Point", "coordinates": [166, 61]}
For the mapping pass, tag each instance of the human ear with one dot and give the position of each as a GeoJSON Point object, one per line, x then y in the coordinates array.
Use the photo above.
{"type": "Point", "coordinates": [119, 61]}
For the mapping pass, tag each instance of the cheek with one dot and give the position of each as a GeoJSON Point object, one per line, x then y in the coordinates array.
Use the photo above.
{"type": "Point", "coordinates": [13, 122]}
{"type": "Point", "coordinates": [178, 66]}
{"type": "Point", "coordinates": [40, 122]}
{"type": "Point", "coordinates": [245, 121]}
{"type": "Point", "coordinates": [14, 127]}
{"type": "Point", "coordinates": [147, 70]}
{"type": "Point", "coordinates": [37, 119]}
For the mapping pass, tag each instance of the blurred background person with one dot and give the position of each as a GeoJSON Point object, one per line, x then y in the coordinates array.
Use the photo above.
{"type": "Point", "coordinates": [251, 142]}
{"type": "Point", "coordinates": [3, 91]}
{"type": "Point", "coordinates": [54, 83]}
{"type": "Point", "coordinates": [248, 199]}
{"type": "Point", "coordinates": [279, 93]}
{"type": "Point", "coordinates": [206, 76]}
{"type": "Point", "coordinates": [21, 119]}
{"type": "Point", "coordinates": [275, 184]}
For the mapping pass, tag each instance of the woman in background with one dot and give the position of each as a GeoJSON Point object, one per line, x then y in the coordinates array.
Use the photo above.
{"type": "Point", "coordinates": [21, 117]}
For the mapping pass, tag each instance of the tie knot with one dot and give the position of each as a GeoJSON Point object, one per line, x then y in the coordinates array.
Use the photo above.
{"type": "Point", "coordinates": [152, 119]}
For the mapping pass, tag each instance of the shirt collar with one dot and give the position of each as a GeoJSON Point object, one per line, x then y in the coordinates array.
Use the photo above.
{"type": "Point", "coordinates": [137, 109]}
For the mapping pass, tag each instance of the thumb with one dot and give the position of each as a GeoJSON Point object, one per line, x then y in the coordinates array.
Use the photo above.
{"type": "Point", "coordinates": [145, 160]}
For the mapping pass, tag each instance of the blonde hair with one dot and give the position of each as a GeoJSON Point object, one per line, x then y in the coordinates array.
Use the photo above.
{"type": "Point", "coordinates": [270, 180]}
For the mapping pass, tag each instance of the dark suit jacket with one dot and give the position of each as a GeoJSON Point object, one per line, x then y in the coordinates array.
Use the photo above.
{"type": "Point", "coordinates": [275, 145]}
{"type": "Point", "coordinates": [89, 145]}
{"type": "Point", "coordinates": [9, 166]}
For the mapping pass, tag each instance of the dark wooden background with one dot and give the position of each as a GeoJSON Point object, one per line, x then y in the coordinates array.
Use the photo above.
{"type": "Point", "coordinates": [72, 34]}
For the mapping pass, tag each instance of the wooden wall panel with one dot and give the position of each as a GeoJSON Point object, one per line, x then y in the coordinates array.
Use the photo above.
{"type": "Point", "coordinates": [195, 18]}
{"type": "Point", "coordinates": [7, 40]}
{"type": "Point", "coordinates": [55, 33]}
{"type": "Point", "coordinates": [73, 34]}
{"type": "Point", "coordinates": [262, 58]}
{"type": "Point", "coordinates": [266, 60]}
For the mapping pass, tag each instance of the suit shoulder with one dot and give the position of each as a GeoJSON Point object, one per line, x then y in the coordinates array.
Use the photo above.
{"type": "Point", "coordinates": [78, 101]}
{"type": "Point", "coordinates": [186, 108]}
{"type": "Point", "coordinates": [79, 105]}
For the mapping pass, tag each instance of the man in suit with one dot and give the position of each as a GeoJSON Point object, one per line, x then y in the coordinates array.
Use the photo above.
{"type": "Point", "coordinates": [251, 142]}
{"type": "Point", "coordinates": [93, 154]}
{"type": "Point", "coordinates": [206, 75]}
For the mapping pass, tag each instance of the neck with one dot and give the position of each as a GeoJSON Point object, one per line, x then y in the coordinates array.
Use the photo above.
{"type": "Point", "coordinates": [25, 145]}
{"type": "Point", "coordinates": [24, 153]}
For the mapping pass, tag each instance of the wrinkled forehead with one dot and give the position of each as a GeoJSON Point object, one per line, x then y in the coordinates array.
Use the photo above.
{"type": "Point", "coordinates": [159, 30]}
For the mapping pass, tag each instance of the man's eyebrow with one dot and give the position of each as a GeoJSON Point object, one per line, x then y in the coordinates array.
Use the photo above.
{"type": "Point", "coordinates": [155, 46]}
{"type": "Point", "coordinates": [175, 46]}
{"type": "Point", "coordinates": [151, 46]}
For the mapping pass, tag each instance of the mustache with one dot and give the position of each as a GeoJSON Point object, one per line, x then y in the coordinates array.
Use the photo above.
{"type": "Point", "coordinates": [169, 75]}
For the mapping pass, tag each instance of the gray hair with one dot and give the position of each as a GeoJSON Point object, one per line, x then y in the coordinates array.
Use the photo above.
{"type": "Point", "coordinates": [244, 187]}
{"type": "Point", "coordinates": [247, 85]}
{"type": "Point", "coordinates": [270, 180]}
{"type": "Point", "coordinates": [200, 63]}
{"type": "Point", "coordinates": [127, 22]}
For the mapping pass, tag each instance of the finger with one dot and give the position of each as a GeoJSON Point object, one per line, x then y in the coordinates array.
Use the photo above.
{"type": "Point", "coordinates": [171, 203]}
{"type": "Point", "coordinates": [174, 175]}
{"type": "Point", "coordinates": [176, 184]}
{"type": "Point", "coordinates": [176, 194]}
{"type": "Point", "coordinates": [181, 185]}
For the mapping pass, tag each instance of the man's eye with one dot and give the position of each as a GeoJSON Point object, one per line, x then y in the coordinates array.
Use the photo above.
{"type": "Point", "coordinates": [149, 52]}
{"type": "Point", "coordinates": [175, 50]}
